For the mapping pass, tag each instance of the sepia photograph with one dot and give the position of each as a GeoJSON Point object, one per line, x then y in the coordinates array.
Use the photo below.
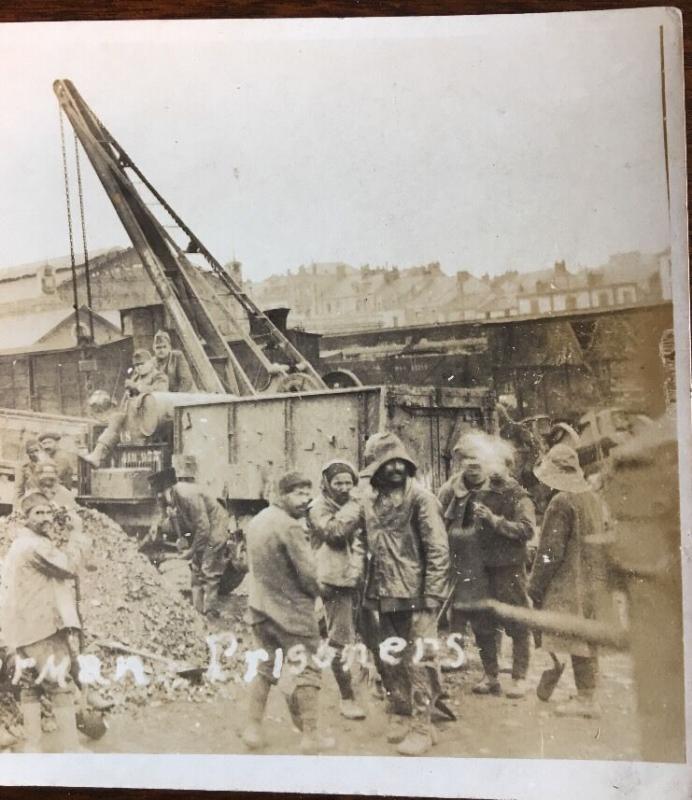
{"type": "Point", "coordinates": [345, 405]}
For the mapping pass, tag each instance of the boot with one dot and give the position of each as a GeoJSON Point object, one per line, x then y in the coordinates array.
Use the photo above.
{"type": "Point", "coordinates": [397, 728]}
{"type": "Point", "coordinates": [97, 455]}
{"type": "Point", "coordinates": [350, 709]}
{"type": "Point", "coordinates": [419, 739]}
{"type": "Point", "coordinates": [488, 685]}
{"type": "Point", "coordinates": [580, 706]}
{"type": "Point", "coordinates": [311, 742]}
{"type": "Point", "coordinates": [66, 721]}
{"type": "Point", "coordinates": [33, 735]}
{"type": "Point", "coordinates": [348, 706]}
{"type": "Point", "coordinates": [517, 690]}
{"type": "Point", "coordinates": [198, 598]}
{"type": "Point", "coordinates": [252, 735]}
{"type": "Point", "coordinates": [211, 600]}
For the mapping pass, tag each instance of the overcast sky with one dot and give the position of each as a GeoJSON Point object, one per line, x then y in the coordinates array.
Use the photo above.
{"type": "Point", "coordinates": [482, 143]}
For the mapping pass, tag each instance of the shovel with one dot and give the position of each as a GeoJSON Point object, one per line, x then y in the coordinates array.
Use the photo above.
{"type": "Point", "coordinates": [549, 679]}
{"type": "Point", "coordinates": [181, 668]}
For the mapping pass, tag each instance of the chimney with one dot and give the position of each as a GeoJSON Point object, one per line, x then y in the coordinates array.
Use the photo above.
{"type": "Point", "coordinates": [462, 278]}
{"type": "Point", "coordinates": [235, 269]}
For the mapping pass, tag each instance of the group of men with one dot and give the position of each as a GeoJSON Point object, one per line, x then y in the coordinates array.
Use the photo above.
{"type": "Point", "coordinates": [388, 559]}
{"type": "Point", "coordinates": [372, 555]}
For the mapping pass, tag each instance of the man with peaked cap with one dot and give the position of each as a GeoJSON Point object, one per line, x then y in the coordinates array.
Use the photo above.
{"type": "Point", "coordinates": [25, 473]}
{"type": "Point", "coordinates": [51, 452]}
{"type": "Point", "coordinates": [172, 364]}
{"type": "Point", "coordinates": [281, 610]}
{"type": "Point", "coordinates": [145, 377]}
{"type": "Point", "coordinates": [336, 525]}
{"type": "Point", "coordinates": [407, 583]}
{"type": "Point", "coordinates": [195, 515]}
{"type": "Point", "coordinates": [38, 614]}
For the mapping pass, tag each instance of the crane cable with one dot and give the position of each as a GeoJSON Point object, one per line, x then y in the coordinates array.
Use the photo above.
{"type": "Point", "coordinates": [84, 237]}
{"type": "Point", "coordinates": [75, 299]}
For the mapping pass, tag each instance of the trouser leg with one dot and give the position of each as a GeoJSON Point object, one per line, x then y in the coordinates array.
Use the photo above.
{"type": "Point", "coordinates": [369, 630]}
{"type": "Point", "coordinates": [521, 653]}
{"type": "Point", "coordinates": [508, 585]}
{"type": "Point", "coordinates": [484, 630]}
{"type": "Point", "coordinates": [585, 674]}
{"type": "Point", "coordinates": [423, 666]}
{"type": "Point", "coordinates": [212, 568]}
{"type": "Point", "coordinates": [342, 676]}
{"type": "Point", "coordinates": [65, 715]}
{"type": "Point", "coordinates": [108, 439]}
{"type": "Point", "coordinates": [396, 678]}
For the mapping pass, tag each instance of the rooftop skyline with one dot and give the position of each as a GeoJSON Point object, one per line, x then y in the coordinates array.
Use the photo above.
{"type": "Point", "coordinates": [484, 144]}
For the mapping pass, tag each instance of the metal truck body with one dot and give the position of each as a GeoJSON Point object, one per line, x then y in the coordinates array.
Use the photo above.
{"type": "Point", "coordinates": [235, 447]}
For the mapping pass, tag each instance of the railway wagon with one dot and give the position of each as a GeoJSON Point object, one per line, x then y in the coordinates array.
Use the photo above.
{"type": "Point", "coordinates": [235, 447]}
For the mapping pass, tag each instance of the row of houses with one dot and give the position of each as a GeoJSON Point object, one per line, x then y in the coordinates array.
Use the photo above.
{"type": "Point", "coordinates": [331, 297]}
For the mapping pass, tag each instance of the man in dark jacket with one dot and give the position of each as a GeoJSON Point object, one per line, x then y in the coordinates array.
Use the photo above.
{"type": "Point", "coordinates": [172, 364]}
{"type": "Point", "coordinates": [202, 527]}
{"type": "Point", "coordinates": [490, 519]}
{"type": "Point", "coordinates": [407, 583]}
{"type": "Point", "coordinates": [281, 609]}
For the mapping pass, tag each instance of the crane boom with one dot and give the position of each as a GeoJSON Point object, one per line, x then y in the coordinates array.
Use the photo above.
{"type": "Point", "coordinates": [196, 310]}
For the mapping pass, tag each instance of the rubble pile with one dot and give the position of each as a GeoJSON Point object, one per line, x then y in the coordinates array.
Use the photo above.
{"type": "Point", "coordinates": [124, 599]}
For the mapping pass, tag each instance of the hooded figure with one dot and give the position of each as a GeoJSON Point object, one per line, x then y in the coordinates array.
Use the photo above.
{"type": "Point", "coordinates": [570, 570]}
{"type": "Point", "coordinates": [407, 583]}
{"type": "Point", "coordinates": [336, 523]}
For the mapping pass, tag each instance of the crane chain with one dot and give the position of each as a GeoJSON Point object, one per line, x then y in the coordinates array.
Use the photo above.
{"type": "Point", "coordinates": [73, 264]}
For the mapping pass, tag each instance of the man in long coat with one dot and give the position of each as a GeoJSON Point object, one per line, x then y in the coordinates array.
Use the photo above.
{"type": "Point", "coordinates": [407, 583]}
{"type": "Point", "coordinates": [570, 571]}
{"type": "Point", "coordinates": [38, 614]}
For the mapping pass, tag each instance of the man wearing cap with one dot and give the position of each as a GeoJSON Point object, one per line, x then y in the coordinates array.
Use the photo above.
{"type": "Point", "coordinates": [172, 364]}
{"type": "Point", "coordinates": [195, 516]}
{"type": "Point", "coordinates": [25, 474]}
{"type": "Point", "coordinates": [38, 614]}
{"type": "Point", "coordinates": [281, 609]}
{"type": "Point", "coordinates": [51, 452]}
{"type": "Point", "coordinates": [570, 570]}
{"type": "Point", "coordinates": [336, 524]}
{"type": "Point", "coordinates": [407, 583]}
{"type": "Point", "coordinates": [144, 377]}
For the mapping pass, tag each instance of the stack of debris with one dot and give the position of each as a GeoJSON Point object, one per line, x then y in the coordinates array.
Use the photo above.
{"type": "Point", "coordinates": [128, 608]}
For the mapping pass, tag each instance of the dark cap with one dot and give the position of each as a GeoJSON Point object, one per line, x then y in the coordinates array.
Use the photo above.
{"type": "Point", "coordinates": [292, 480]}
{"type": "Point", "coordinates": [160, 481]}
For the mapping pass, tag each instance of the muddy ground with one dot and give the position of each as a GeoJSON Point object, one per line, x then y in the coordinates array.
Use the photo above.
{"type": "Point", "coordinates": [486, 726]}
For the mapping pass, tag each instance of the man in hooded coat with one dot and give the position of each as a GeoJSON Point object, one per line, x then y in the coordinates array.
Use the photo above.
{"type": "Point", "coordinates": [407, 583]}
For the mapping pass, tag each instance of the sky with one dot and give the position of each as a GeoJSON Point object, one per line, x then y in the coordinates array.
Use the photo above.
{"type": "Point", "coordinates": [482, 143]}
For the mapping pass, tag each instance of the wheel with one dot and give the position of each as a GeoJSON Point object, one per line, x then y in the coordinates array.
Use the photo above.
{"type": "Point", "coordinates": [294, 382]}
{"type": "Point", "coordinates": [341, 379]}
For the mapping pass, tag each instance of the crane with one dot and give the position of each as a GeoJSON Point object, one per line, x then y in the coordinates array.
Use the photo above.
{"type": "Point", "coordinates": [208, 312]}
